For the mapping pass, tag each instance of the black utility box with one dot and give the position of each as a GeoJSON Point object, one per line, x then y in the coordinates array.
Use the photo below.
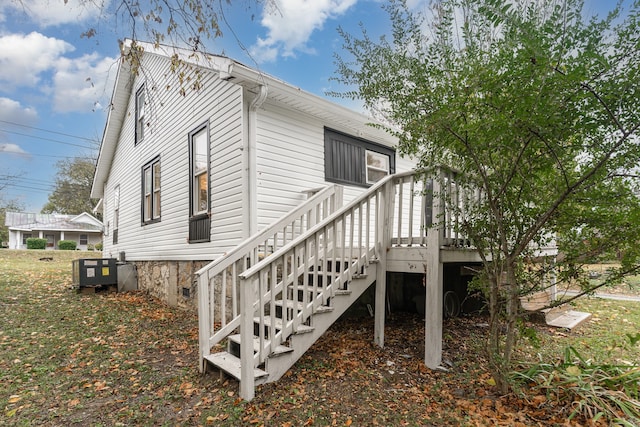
{"type": "Point", "coordinates": [95, 272]}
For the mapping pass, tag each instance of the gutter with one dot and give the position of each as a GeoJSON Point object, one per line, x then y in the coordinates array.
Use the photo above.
{"type": "Point", "coordinates": [252, 143]}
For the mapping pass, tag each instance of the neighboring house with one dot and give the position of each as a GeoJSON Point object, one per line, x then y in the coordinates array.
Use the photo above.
{"type": "Point", "coordinates": [184, 174]}
{"type": "Point", "coordinates": [84, 229]}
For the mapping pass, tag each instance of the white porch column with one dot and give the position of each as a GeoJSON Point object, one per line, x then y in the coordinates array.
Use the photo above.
{"type": "Point", "coordinates": [434, 286]}
{"type": "Point", "coordinates": [384, 222]}
{"type": "Point", "coordinates": [61, 235]}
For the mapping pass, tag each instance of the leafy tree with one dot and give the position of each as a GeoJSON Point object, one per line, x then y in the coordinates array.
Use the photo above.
{"type": "Point", "coordinates": [72, 191]}
{"type": "Point", "coordinates": [7, 206]}
{"type": "Point", "coordinates": [535, 105]}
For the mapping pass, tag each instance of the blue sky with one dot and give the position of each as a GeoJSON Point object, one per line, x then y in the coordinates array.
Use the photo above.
{"type": "Point", "coordinates": [55, 84]}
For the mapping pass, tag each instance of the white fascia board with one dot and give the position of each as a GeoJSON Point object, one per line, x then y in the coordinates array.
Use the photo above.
{"type": "Point", "coordinates": [113, 127]}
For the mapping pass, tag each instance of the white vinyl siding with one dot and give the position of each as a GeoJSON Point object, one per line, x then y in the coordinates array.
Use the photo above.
{"type": "Point", "coordinates": [289, 160]}
{"type": "Point", "coordinates": [171, 117]}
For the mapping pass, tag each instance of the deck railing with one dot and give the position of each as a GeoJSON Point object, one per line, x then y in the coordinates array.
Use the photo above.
{"type": "Point", "coordinates": [218, 282]}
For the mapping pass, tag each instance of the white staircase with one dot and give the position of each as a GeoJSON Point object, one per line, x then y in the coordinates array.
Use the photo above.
{"type": "Point", "coordinates": [262, 305]}
{"type": "Point", "coordinates": [284, 354]}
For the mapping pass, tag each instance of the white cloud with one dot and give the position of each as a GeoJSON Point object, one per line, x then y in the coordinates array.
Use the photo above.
{"type": "Point", "coordinates": [13, 149]}
{"type": "Point", "coordinates": [47, 13]}
{"type": "Point", "coordinates": [291, 25]}
{"type": "Point", "coordinates": [83, 84]}
{"type": "Point", "coordinates": [40, 63]}
{"type": "Point", "coordinates": [23, 58]}
{"type": "Point", "coordinates": [12, 111]}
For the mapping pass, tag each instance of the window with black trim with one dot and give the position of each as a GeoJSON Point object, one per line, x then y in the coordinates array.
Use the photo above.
{"type": "Point", "coordinates": [355, 161]}
{"type": "Point", "coordinates": [83, 239]}
{"type": "Point", "coordinates": [116, 213]}
{"type": "Point", "coordinates": [151, 191]}
{"type": "Point", "coordinates": [199, 187]}
{"type": "Point", "coordinates": [140, 115]}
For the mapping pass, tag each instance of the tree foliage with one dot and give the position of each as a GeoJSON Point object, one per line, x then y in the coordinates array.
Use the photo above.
{"type": "Point", "coordinates": [72, 190]}
{"type": "Point", "coordinates": [186, 23]}
{"type": "Point", "coordinates": [7, 206]}
{"type": "Point", "coordinates": [534, 104]}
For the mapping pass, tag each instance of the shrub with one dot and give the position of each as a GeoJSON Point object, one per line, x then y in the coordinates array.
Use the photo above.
{"type": "Point", "coordinates": [99, 246]}
{"type": "Point", "coordinates": [90, 247]}
{"type": "Point", "coordinates": [67, 245]}
{"type": "Point", "coordinates": [36, 243]}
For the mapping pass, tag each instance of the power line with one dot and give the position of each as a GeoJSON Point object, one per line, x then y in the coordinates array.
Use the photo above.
{"type": "Point", "coordinates": [10, 178]}
{"type": "Point", "coordinates": [25, 187]}
{"type": "Point", "coordinates": [50, 131]}
{"type": "Point", "coordinates": [32, 186]}
{"type": "Point", "coordinates": [47, 139]}
{"type": "Point", "coordinates": [51, 156]}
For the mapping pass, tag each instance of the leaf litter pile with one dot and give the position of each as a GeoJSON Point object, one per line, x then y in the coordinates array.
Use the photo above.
{"type": "Point", "coordinates": [127, 359]}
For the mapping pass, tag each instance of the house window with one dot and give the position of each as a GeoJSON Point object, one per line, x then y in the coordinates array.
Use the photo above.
{"type": "Point", "coordinates": [25, 237]}
{"type": "Point", "coordinates": [199, 188]}
{"type": "Point", "coordinates": [354, 161]}
{"type": "Point", "coordinates": [83, 239]}
{"type": "Point", "coordinates": [377, 166]}
{"type": "Point", "coordinates": [116, 213]}
{"type": "Point", "coordinates": [151, 191]}
{"type": "Point", "coordinates": [140, 115]}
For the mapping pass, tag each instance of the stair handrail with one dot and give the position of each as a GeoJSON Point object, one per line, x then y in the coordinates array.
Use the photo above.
{"type": "Point", "coordinates": [248, 250]}
{"type": "Point", "coordinates": [253, 241]}
{"type": "Point", "coordinates": [311, 231]}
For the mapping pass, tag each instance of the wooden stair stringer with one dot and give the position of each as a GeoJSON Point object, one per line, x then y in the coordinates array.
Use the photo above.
{"type": "Point", "coordinates": [276, 367]}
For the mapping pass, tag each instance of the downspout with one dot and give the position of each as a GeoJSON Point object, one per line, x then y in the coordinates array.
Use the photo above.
{"type": "Point", "coordinates": [252, 143]}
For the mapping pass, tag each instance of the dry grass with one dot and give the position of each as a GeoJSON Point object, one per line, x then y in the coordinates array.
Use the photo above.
{"type": "Point", "coordinates": [126, 359]}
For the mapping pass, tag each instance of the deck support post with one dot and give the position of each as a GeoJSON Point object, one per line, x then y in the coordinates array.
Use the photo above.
{"type": "Point", "coordinates": [434, 284]}
{"type": "Point", "coordinates": [204, 331]}
{"type": "Point", "coordinates": [247, 379]}
{"type": "Point", "coordinates": [384, 222]}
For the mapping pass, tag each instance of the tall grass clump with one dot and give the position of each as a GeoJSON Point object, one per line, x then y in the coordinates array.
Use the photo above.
{"type": "Point", "coordinates": [595, 390]}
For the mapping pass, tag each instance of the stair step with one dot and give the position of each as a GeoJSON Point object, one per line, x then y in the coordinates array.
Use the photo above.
{"type": "Point", "coordinates": [299, 306]}
{"type": "Point", "coordinates": [341, 265]}
{"type": "Point", "coordinates": [570, 319]}
{"type": "Point", "coordinates": [302, 329]}
{"type": "Point", "coordinates": [320, 289]}
{"type": "Point", "coordinates": [320, 278]}
{"type": "Point", "coordinates": [281, 349]}
{"type": "Point", "coordinates": [230, 364]}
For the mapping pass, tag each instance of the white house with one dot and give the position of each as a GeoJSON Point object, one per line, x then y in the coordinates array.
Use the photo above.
{"type": "Point", "coordinates": [188, 169]}
{"type": "Point", "coordinates": [84, 229]}
{"type": "Point", "coordinates": [274, 207]}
